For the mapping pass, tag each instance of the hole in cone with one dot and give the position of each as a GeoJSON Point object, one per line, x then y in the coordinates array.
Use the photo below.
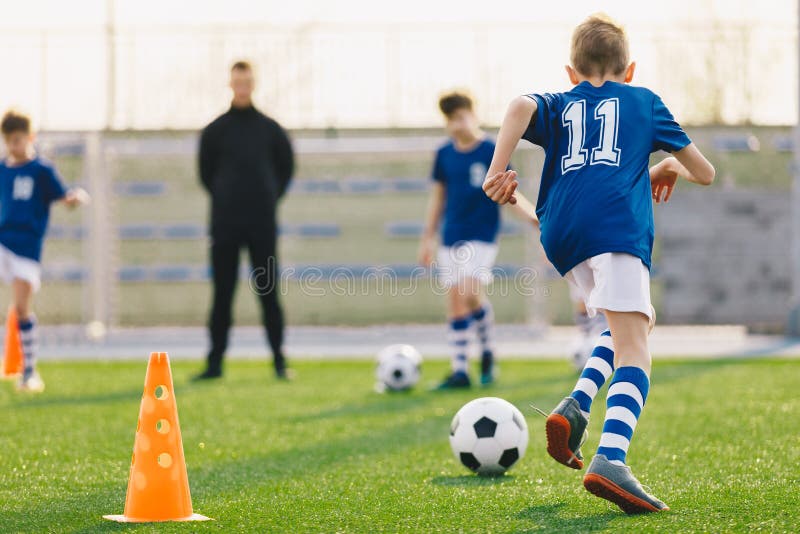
{"type": "Point", "coordinates": [162, 426]}
{"type": "Point", "coordinates": [161, 392]}
{"type": "Point", "coordinates": [164, 460]}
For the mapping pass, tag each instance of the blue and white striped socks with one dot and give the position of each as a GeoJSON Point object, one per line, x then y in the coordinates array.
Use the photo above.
{"type": "Point", "coordinates": [599, 367]}
{"type": "Point", "coordinates": [626, 397]}
{"type": "Point", "coordinates": [27, 339]}
{"type": "Point", "coordinates": [459, 328]}
{"type": "Point", "coordinates": [484, 322]}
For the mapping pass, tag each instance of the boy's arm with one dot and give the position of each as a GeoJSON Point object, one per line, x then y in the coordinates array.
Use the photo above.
{"type": "Point", "coordinates": [688, 162]}
{"type": "Point", "coordinates": [695, 167]}
{"type": "Point", "coordinates": [76, 196]}
{"type": "Point", "coordinates": [432, 217]}
{"type": "Point", "coordinates": [56, 191]}
{"type": "Point", "coordinates": [500, 184]}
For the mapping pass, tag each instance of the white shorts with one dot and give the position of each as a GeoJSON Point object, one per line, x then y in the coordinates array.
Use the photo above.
{"type": "Point", "coordinates": [613, 281]}
{"type": "Point", "coordinates": [466, 261]}
{"type": "Point", "coordinates": [13, 266]}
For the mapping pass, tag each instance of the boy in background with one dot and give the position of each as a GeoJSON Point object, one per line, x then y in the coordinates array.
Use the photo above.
{"type": "Point", "coordinates": [28, 185]}
{"type": "Point", "coordinates": [595, 208]}
{"type": "Point", "coordinates": [469, 228]}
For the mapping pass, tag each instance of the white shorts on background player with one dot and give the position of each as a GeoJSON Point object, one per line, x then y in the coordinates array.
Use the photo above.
{"type": "Point", "coordinates": [13, 266]}
{"type": "Point", "coordinates": [466, 261]}
{"type": "Point", "coordinates": [613, 281]}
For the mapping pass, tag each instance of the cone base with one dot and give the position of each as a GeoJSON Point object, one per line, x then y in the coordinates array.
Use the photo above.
{"type": "Point", "coordinates": [125, 519]}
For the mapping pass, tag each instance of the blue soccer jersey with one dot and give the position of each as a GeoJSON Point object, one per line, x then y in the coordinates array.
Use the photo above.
{"type": "Point", "coordinates": [469, 215]}
{"type": "Point", "coordinates": [595, 194]}
{"type": "Point", "coordinates": [26, 192]}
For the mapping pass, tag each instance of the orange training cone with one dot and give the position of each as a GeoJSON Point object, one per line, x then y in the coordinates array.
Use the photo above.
{"type": "Point", "coordinates": [12, 359]}
{"type": "Point", "coordinates": [158, 487]}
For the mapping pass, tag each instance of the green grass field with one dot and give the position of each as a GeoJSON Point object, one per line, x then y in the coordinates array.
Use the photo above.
{"type": "Point", "coordinates": [718, 441]}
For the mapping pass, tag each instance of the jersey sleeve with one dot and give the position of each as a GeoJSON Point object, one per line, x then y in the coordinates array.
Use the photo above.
{"type": "Point", "coordinates": [667, 133]}
{"type": "Point", "coordinates": [437, 173]}
{"type": "Point", "coordinates": [54, 186]}
{"type": "Point", "coordinates": [540, 129]}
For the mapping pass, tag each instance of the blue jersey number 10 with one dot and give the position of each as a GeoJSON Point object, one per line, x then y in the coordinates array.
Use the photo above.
{"type": "Point", "coordinates": [574, 119]}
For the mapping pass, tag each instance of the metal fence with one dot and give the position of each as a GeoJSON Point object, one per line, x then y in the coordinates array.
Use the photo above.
{"type": "Point", "coordinates": [350, 225]}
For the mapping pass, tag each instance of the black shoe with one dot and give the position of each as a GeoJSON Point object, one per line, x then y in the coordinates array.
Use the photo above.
{"type": "Point", "coordinates": [284, 374]}
{"type": "Point", "coordinates": [457, 380]}
{"type": "Point", "coordinates": [208, 374]}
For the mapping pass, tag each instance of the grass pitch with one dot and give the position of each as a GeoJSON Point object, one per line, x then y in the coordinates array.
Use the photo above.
{"type": "Point", "coordinates": [718, 441]}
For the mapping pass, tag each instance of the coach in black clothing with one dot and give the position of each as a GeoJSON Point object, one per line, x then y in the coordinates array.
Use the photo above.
{"type": "Point", "coordinates": [246, 163]}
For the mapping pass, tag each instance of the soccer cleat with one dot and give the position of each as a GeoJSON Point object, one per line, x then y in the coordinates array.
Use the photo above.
{"type": "Point", "coordinates": [31, 383]}
{"type": "Point", "coordinates": [457, 380]}
{"type": "Point", "coordinates": [566, 431]}
{"type": "Point", "coordinates": [617, 484]}
{"type": "Point", "coordinates": [487, 369]}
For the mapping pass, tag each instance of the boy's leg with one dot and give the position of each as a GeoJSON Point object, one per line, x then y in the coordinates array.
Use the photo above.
{"type": "Point", "coordinates": [597, 370]}
{"type": "Point", "coordinates": [482, 315]}
{"type": "Point", "coordinates": [566, 425]}
{"type": "Point", "coordinates": [608, 477]}
{"type": "Point", "coordinates": [458, 321]}
{"type": "Point", "coordinates": [22, 295]}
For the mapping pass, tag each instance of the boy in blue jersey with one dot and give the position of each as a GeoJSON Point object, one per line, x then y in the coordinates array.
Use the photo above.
{"type": "Point", "coordinates": [469, 229]}
{"type": "Point", "coordinates": [28, 186]}
{"type": "Point", "coordinates": [595, 208]}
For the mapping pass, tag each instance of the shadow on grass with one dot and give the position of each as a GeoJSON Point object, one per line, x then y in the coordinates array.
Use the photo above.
{"type": "Point", "coordinates": [77, 399]}
{"type": "Point", "coordinates": [550, 518]}
{"type": "Point", "coordinates": [471, 480]}
{"type": "Point", "coordinates": [667, 372]}
{"type": "Point", "coordinates": [519, 393]}
{"type": "Point", "coordinates": [373, 404]}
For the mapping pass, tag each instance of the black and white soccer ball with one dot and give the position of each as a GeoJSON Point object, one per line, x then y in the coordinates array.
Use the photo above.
{"type": "Point", "coordinates": [489, 435]}
{"type": "Point", "coordinates": [399, 367]}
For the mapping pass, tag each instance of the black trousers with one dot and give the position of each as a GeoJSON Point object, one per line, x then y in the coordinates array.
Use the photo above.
{"type": "Point", "coordinates": [263, 280]}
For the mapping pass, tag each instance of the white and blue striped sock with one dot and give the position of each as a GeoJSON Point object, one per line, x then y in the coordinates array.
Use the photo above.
{"type": "Point", "coordinates": [28, 341]}
{"type": "Point", "coordinates": [599, 367]}
{"type": "Point", "coordinates": [484, 323]}
{"type": "Point", "coordinates": [459, 328]}
{"type": "Point", "coordinates": [626, 397]}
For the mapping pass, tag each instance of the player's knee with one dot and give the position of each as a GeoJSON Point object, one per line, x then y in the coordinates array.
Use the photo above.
{"type": "Point", "coordinates": [458, 304]}
{"type": "Point", "coordinates": [22, 309]}
{"type": "Point", "coordinates": [473, 301]}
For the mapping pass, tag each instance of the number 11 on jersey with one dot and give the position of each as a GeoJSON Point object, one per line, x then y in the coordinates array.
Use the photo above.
{"type": "Point", "coordinates": [574, 119]}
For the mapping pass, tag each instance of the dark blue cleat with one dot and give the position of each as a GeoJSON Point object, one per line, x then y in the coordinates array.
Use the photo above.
{"type": "Point", "coordinates": [487, 368]}
{"type": "Point", "coordinates": [457, 380]}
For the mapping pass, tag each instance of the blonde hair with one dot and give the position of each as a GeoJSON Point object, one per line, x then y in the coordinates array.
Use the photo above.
{"type": "Point", "coordinates": [599, 47]}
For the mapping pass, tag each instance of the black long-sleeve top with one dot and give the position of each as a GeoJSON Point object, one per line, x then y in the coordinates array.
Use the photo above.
{"type": "Point", "coordinates": [246, 162]}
